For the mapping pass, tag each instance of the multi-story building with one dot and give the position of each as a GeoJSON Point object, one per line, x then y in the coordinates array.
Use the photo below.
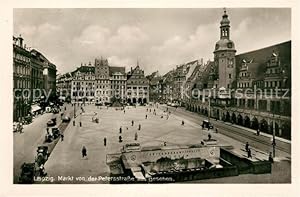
{"type": "Point", "coordinates": [83, 84]}
{"type": "Point", "coordinates": [137, 86]}
{"type": "Point", "coordinates": [155, 87]}
{"type": "Point", "coordinates": [64, 86]}
{"type": "Point", "coordinates": [118, 83]}
{"type": "Point", "coordinates": [99, 83]}
{"type": "Point", "coordinates": [103, 86]}
{"type": "Point", "coordinates": [110, 82]}
{"type": "Point", "coordinates": [22, 79]}
{"type": "Point", "coordinates": [168, 86]}
{"type": "Point", "coordinates": [253, 88]}
{"type": "Point", "coordinates": [33, 76]}
{"type": "Point", "coordinates": [179, 79]}
{"type": "Point", "coordinates": [46, 82]}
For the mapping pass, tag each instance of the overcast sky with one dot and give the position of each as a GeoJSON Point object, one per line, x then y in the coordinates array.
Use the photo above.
{"type": "Point", "coordinates": [158, 38]}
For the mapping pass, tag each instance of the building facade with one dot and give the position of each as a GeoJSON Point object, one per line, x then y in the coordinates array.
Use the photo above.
{"type": "Point", "coordinates": [261, 84]}
{"type": "Point", "coordinates": [137, 86]}
{"type": "Point", "coordinates": [33, 77]}
{"type": "Point", "coordinates": [64, 86]}
{"type": "Point", "coordinates": [22, 79]}
{"type": "Point", "coordinates": [99, 83]}
{"type": "Point", "coordinates": [83, 84]}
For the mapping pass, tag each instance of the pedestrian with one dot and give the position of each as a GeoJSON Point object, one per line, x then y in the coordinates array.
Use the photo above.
{"type": "Point", "coordinates": [146, 116]}
{"type": "Point", "coordinates": [139, 127]}
{"type": "Point", "coordinates": [209, 136]}
{"type": "Point", "coordinates": [216, 130]}
{"type": "Point", "coordinates": [147, 109]}
{"type": "Point", "coordinates": [132, 123]}
{"type": "Point", "coordinates": [120, 139]}
{"type": "Point", "coordinates": [65, 108]}
{"type": "Point", "coordinates": [135, 136]}
{"type": "Point", "coordinates": [271, 158]}
{"type": "Point", "coordinates": [42, 170]}
{"type": "Point", "coordinates": [258, 132]}
{"type": "Point", "coordinates": [62, 137]}
{"type": "Point", "coordinates": [247, 146]}
{"type": "Point", "coordinates": [249, 153]}
{"type": "Point", "coordinates": [202, 126]}
{"type": "Point", "coordinates": [124, 111]}
{"type": "Point", "coordinates": [165, 143]}
{"type": "Point", "coordinates": [84, 152]}
{"type": "Point", "coordinates": [120, 129]}
{"type": "Point", "coordinates": [80, 124]}
{"type": "Point", "coordinates": [73, 122]}
{"type": "Point", "coordinates": [182, 123]}
{"type": "Point", "coordinates": [150, 110]}
{"type": "Point", "coordinates": [104, 141]}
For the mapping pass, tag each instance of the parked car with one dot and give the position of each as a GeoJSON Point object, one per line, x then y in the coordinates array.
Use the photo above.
{"type": "Point", "coordinates": [42, 155]}
{"type": "Point", "coordinates": [207, 124]}
{"type": "Point", "coordinates": [28, 171]}
{"type": "Point", "coordinates": [51, 123]}
{"type": "Point", "coordinates": [55, 132]}
{"type": "Point", "coordinates": [66, 119]}
{"type": "Point", "coordinates": [55, 110]}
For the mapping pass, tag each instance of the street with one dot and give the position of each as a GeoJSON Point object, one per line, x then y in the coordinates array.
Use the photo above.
{"type": "Point", "coordinates": [66, 160]}
{"type": "Point", "coordinates": [262, 142]}
{"type": "Point", "coordinates": [26, 143]}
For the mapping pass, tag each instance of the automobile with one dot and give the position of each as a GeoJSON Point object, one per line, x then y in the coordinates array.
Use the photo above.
{"type": "Point", "coordinates": [55, 132]}
{"type": "Point", "coordinates": [55, 110]}
{"type": "Point", "coordinates": [66, 119]}
{"type": "Point", "coordinates": [169, 103]}
{"type": "Point", "coordinates": [42, 155]}
{"type": "Point", "coordinates": [51, 123]}
{"type": "Point", "coordinates": [207, 124]}
{"type": "Point", "coordinates": [28, 171]}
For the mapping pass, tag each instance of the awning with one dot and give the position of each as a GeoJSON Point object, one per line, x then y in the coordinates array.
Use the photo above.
{"type": "Point", "coordinates": [35, 108]}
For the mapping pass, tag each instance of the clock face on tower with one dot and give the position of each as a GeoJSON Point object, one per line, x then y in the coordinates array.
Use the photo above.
{"type": "Point", "coordinates": [229, 45]}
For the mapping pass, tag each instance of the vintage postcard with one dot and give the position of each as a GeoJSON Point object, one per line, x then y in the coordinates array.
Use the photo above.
{"type": "Point", "coordinates": [152, 95]}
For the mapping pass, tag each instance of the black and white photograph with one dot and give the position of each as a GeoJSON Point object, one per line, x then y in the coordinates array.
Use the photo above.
{"type": "Point", "coordinates": [151, 96]}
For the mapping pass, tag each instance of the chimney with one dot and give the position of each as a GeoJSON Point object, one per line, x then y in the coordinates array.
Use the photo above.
{"type": "Point", "coordinates": [20, 39]}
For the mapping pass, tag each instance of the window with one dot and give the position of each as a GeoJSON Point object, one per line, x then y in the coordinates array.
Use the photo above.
{"type": "Point", "coordinates": [229, 76]}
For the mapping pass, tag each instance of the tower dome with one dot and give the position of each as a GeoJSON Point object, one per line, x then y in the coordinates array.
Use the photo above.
{"type": "Point", "coordinates": [225, 43]}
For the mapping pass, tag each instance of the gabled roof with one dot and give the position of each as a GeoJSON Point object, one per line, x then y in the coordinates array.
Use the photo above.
{"type": "Point", "coordinates": [257, 60]}
{"type": "Point", "coordinates": [84, 69]}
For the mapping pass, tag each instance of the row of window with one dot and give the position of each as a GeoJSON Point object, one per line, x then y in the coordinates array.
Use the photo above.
{"type": "Point", "coordinates": [268, 84]}
{"type": "Point", "coordinates": [21, 57]}
{"type": "Point", "coordinates": [134, 88]}
{"type": "Point", "coordinates": [136, 93]}
{"type": "Point", "coordinates": [244, 85]}
{"type": "Point", "coordinates": [22, 84]}
{"type": "Point", "coordinates": [21, 69]}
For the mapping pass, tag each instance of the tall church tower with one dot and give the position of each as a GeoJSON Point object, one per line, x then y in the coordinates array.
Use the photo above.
{"type": "Point", "coordinates": [224, 55]}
